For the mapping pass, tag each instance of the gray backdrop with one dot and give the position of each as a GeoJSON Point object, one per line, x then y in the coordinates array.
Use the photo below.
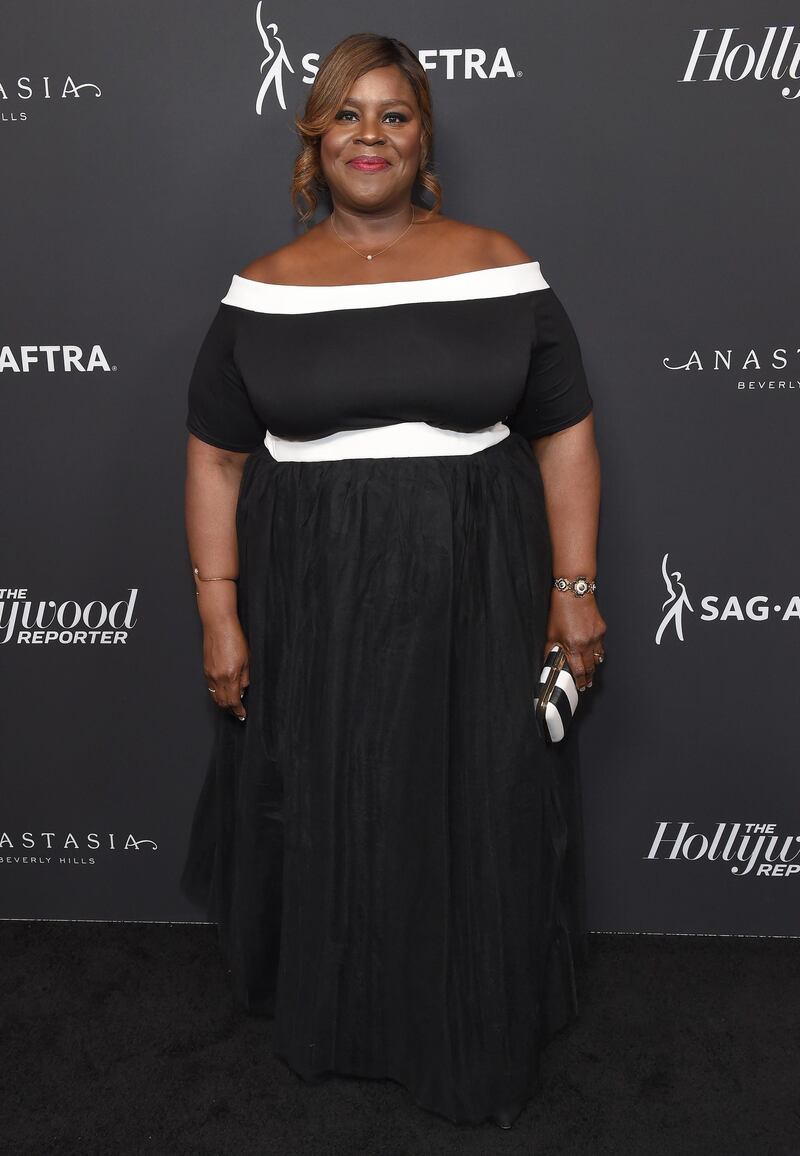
{"type": "Point", "coordinates": [659, 193]}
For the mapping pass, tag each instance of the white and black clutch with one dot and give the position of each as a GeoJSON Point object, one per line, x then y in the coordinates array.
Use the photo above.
{"type": "Point", "coordinates": [556, 697]}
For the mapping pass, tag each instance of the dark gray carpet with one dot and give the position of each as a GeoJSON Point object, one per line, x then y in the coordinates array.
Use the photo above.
{"type": "Point", "coordinates": [122, 1038]}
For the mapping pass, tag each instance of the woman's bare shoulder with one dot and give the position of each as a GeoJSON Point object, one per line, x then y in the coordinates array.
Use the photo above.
{"type": "Point", "coordinates": [481, 246]}
{"type": "Point", "coordinates": [287, 265]}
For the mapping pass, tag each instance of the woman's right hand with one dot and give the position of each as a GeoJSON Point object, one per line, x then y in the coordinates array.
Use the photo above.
{"type": "Point", "coordinates": [226, 664]}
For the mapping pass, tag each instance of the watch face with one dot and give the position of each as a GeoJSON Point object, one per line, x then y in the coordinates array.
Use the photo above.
{"type": "Point", "coordinates": [580, 586]}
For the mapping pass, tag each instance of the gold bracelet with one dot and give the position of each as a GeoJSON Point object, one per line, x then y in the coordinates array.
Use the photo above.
{"type": "Point", "coordinates": [197, 579]}
{"type": "Point", "coordinates": [579, 586]}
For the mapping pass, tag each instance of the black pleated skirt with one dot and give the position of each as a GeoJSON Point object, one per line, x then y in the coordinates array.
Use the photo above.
{"type": "Point", "coordinates": [392, 855]}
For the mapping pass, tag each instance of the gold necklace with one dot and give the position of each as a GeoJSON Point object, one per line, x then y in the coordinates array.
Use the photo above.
{"type": "Point", "coordinates": [369, 256]}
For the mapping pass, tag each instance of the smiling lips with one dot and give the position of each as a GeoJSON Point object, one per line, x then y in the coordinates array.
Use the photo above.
{"type": "Point", "coordinates": [368, 164]}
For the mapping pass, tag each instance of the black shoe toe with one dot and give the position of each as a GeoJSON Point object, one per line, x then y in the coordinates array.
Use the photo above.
{"type": "Point", "coordinates": [506, 1116]}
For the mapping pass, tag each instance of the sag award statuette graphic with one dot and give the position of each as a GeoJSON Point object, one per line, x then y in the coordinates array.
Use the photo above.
{"type": "Point", "coordinates": [279, 59]}
{"type": "Point", "coordinates": [675, 602]}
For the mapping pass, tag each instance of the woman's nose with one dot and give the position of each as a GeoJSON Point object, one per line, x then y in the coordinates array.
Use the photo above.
{"type": "Point", "coordinates": [370, 133]}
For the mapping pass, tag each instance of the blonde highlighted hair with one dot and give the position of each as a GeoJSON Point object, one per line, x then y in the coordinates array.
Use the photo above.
{"type": "Point", "coordinates": [338, 72]}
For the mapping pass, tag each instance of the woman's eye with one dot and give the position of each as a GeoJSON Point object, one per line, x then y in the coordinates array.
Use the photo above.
{"type": "Point", "coordinates": [399, 117]}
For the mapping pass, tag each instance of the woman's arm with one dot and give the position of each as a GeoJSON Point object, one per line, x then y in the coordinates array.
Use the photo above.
{"type": "Point", "coordinates": [570, 469]}
{"type": "Point", "coordinates": [213, 479]}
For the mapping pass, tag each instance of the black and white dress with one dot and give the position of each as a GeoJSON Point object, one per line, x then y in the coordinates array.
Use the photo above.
{"type": "Point", "coordinates": [391, 853]}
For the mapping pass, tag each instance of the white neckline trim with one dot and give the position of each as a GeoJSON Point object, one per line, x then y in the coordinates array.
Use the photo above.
{"type": "Point", "coordinates": [498, 281]}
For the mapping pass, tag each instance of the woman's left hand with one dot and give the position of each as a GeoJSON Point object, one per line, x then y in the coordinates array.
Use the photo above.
{"type": "Point", "coordinates": [578, 625]}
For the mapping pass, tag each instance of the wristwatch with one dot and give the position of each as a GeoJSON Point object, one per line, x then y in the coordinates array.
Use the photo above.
{"type": "Point", "coordinates": [579, 586]}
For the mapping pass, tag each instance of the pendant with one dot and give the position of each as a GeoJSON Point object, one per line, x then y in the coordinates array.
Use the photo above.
{"type": "Point", "coordinates": [369, 256]}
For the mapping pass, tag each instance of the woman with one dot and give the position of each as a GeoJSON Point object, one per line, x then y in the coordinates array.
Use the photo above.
{"type": "Point", "coordinates": [391, 457]}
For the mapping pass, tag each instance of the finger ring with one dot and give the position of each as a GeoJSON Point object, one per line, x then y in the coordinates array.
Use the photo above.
{"type": "Point", "coordinates": [599, 657]}
{"type": "Point", "coordinates": [211, 690]}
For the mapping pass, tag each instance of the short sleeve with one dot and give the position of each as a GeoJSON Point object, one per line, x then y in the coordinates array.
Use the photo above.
{"type": "Point", "coordinates": [219, 409]}
{"type": "Point", "coordinates": [556, 392]}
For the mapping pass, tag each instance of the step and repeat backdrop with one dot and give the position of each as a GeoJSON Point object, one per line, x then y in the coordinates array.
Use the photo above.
{"type": "Point", "coordinates": [646, 157]}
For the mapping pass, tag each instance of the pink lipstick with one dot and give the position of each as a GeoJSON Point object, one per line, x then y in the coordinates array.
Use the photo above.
{"type": "Point", "coordinates": [366, 164]}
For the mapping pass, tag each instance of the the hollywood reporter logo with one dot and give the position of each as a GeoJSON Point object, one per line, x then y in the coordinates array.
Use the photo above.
{"type": "Point", "coordinates": [775, 58]}
{"type": "Point", "coordinates": [746, 848]}
{"type": "Point", "coordinates": [94, 623]}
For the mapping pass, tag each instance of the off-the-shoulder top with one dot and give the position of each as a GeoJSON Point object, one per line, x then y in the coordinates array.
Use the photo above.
{"type": "Point", "coordinates": [460, 352]}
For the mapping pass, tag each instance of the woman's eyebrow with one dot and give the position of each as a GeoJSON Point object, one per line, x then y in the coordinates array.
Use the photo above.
{"type": "Point", "coordinates": [350, 100]}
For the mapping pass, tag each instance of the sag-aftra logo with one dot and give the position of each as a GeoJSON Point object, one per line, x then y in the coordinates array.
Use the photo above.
{"type": "Point", "coordinates": [53, 359]}
{"type": "Point", "coordinates": [718, 607]}
{"type": "Point", "coordinates": [449, 63]}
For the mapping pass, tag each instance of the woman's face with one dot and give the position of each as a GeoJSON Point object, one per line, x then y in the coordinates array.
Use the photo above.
{"type": "Point", "coordinates": [370, 154]}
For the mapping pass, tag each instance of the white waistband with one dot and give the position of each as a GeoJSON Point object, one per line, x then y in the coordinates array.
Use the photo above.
{"type": "Point", "coordinates": [404, 439]}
